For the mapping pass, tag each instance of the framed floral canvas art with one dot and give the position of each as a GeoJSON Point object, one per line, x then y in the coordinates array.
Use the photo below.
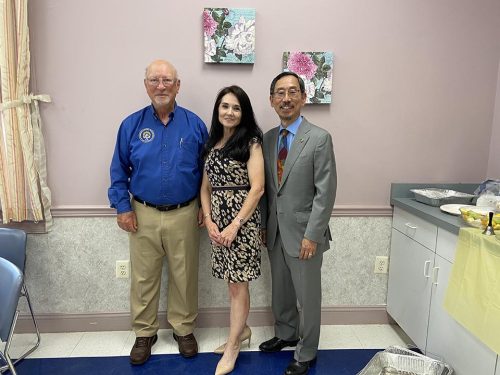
{"type": "Point", "coordinates": [229, 35]}
{"type": "Point", "coordinates": [315, 68]}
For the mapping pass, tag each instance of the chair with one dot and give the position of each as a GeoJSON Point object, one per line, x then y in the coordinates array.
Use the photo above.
{"type": "Point", "coordinates": [11, 280]}
{"type": "Point", "coordinates": [13, 249]}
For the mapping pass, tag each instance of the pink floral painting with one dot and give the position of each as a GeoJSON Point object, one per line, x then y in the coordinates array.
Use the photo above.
{"type": "Point", "coordinates": [315, 68]}
{"type": "Point", "coordinates": [229, 35]}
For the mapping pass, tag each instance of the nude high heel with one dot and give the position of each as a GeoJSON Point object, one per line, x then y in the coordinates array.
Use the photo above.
{"type": "Point", "coordinates": [223, 368]}
{"type": "Point", "coordinates": [245, 335]}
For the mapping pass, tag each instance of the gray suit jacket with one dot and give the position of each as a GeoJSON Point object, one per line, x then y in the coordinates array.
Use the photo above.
{"type": "Point", "coordinates": [302, 205]}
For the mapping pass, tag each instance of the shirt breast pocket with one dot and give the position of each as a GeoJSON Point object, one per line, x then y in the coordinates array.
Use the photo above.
{"type": "Point", "coordinates": [188, 153]}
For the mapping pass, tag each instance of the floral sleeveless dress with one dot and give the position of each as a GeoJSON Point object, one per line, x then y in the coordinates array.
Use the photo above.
{"type": "Point", "coordinates": [230, 186]}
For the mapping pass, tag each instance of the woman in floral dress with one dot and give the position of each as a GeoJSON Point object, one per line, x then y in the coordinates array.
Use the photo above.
{"type": "Point", "coordinates": [233, 183]}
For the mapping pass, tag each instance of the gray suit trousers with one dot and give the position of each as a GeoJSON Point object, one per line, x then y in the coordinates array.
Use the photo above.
{"type": "Point", "coordinates": [296, 280]}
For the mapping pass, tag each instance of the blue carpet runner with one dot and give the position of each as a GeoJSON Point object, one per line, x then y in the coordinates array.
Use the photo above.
{"type": "Point", "coordinates": [330, 362]}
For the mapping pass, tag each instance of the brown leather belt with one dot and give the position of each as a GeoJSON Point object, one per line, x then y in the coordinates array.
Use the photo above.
{"type": "Point", "coordinates": [163, 207]}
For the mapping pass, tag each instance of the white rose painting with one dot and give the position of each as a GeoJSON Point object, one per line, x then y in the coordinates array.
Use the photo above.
{"type": "Point", "coordinates": [315, 68]}
{"type": "Point", "coordinates": [229, 35]}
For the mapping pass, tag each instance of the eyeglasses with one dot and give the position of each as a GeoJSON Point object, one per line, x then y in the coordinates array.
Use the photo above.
{"type": "Point", "coordinates": [292, 93]}
{"type": "Point", "coordinates": [167, 82]}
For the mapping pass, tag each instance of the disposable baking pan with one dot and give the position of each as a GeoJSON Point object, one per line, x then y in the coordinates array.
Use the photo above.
{"type": "Point", "coordinates": [397, 360]}
{"type": "Point", "coordinates": [438, 197]}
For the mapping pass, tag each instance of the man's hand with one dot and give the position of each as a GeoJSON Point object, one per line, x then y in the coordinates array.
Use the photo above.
{"type": "Point", "coordinates": [308, 249]}
{"type": "Point", "coordinates": [201, 217]}
{"type": "Point", "coordinates": [263, 237]}
{"type": "Point", "coordinates": [127, 221]}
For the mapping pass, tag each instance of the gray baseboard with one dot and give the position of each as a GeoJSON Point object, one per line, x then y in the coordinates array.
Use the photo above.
{"type": "Point", "coordinates": [210, 317]}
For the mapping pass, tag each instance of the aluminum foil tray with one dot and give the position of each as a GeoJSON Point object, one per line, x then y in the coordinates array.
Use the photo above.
{"type": "Point", "coordinates": [438, 197]}
{"type": "Point", "coordinates": [400, 361]}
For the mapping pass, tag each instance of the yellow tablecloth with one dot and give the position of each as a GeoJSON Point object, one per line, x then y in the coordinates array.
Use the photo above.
{"type": "Point", "coordinates": [473, 294]}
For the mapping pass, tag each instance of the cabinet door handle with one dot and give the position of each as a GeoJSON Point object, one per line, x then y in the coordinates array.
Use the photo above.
{"type": "Point", "coordinates": [411, 226]}
{"type": "Point", "coordinates": [435, 274]}
{"type": "Point", "coordinates": [411, 230]}
{"type": "Point", "coordinates": [426, 268]}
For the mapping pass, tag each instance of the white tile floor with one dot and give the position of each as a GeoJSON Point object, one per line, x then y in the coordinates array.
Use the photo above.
{"type": "Point", "coordinates": [119, 343]}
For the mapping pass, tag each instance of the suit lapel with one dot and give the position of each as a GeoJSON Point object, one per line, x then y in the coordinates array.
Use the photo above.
{"type": "Point", "coordinates": [299, 142]}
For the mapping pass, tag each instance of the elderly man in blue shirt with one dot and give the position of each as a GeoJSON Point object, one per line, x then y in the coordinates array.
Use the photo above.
{"type": "Point", "coordinates": [155, 179]}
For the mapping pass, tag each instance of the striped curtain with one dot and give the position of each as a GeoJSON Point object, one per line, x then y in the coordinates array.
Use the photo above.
{"type": "Point", "coordinates": [24, 194]}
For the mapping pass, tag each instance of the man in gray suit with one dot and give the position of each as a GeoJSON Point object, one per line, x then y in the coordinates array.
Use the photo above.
{"type": "Point", "coordinates": [301, 183]}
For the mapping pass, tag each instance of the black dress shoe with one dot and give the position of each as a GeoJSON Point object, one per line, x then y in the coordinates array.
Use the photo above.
{"type": "Point", "coordinates": [276, 344]}
{"type": "Point", "coordinates": [299, 368]}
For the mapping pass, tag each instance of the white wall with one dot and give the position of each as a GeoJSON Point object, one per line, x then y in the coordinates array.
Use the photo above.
{"type": "Point", "coordinates": [414, 83]}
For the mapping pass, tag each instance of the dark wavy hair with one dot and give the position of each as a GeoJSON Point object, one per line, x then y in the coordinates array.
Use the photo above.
{"type": "Point", "coordinates": [238, 146]}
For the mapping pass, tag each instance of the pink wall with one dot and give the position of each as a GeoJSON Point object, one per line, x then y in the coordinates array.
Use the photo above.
{"type": "Point", "coordinates": [494, 160]}
{"type": "Point", "coordinates": [414, 83]}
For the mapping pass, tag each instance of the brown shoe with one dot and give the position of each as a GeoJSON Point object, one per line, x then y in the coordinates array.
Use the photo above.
{"type": "Point", "coordinates": [141, 351]}
{"type": "Point", "coordinates": [188, 347]}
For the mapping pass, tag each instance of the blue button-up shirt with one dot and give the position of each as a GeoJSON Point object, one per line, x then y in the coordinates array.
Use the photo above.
{"type": "Point", "coordinates": [156, 163]}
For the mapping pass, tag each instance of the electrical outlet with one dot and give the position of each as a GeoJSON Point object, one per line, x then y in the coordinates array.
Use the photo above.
{"type": "Point", "coordinates": [381, 264]}
{"type": "Point", "coordinates": [122, 269]}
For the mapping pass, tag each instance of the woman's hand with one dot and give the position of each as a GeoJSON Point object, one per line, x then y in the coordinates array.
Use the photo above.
{"type": "Point", "coordinates": [213, 232]}
{"type": "Point", "coordinates": [229, 234]}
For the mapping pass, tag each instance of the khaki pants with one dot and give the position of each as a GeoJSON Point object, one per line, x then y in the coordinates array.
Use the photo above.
{"type": "Point", "coordinates": [173, 234]}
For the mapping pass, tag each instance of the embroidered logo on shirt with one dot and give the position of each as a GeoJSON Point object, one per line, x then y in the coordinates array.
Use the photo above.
{"type": "Point", "coordinates": [146, 135]}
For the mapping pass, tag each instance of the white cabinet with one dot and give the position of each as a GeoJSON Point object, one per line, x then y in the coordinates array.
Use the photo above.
{"type": "Point", "coordinates": [409, 289]}
{"type": "Point", "coordinates": [420, 265]}
{"type": "Point", "coordinates": [449, 341]}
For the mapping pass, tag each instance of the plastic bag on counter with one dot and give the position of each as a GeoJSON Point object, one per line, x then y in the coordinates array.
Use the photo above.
{"type": "Point", "coordinates": [488, 194]}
